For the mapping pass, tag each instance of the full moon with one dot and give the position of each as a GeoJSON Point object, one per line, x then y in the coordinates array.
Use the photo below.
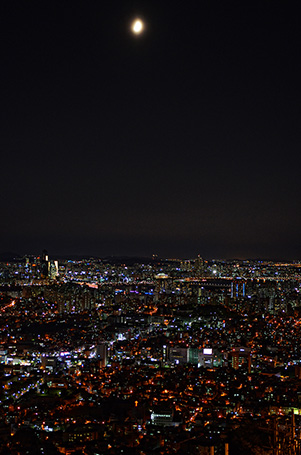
{"type": "Point", "coordinates": [137, 26]}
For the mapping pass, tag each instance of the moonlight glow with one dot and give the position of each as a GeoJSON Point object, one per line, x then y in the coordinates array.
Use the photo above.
{"type": "Point", "coordinates": [137, 26]}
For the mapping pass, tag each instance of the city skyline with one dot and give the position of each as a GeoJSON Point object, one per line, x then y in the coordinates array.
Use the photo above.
{"type": "Point", "coordinates": [182, 140]}
{"type": "Point", "coordinates": [157, 357]}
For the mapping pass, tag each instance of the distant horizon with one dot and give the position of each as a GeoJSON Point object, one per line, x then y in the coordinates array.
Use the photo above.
{"type": "Point", "coordinates": [6, 255]}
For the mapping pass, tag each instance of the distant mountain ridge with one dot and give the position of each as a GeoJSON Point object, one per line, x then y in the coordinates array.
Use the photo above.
{"type": "Point", "coordinates": [8, 256]}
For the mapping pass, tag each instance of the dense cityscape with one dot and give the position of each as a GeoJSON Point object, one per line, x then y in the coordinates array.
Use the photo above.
{"type": "Point", "coordinates": [150, 356]}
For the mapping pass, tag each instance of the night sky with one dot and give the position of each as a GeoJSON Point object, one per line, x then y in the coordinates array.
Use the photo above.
{"type": "Point", "coordinates": [184, 140]}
